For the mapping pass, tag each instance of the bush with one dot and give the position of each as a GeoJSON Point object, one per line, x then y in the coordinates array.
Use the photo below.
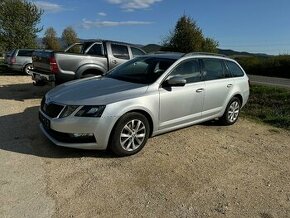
{"type": "Point", "coordinates": [276, 66]}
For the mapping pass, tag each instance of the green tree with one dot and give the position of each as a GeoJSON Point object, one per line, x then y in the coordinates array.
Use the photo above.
{"type": "Point", "coordinates": [18, 24]}
{"type": "Point", "coordinates": [188, 37]}
{"type": "Point", "coordinates": [69, 36]}
{"type": "Point", "coordinates": [50, 40]}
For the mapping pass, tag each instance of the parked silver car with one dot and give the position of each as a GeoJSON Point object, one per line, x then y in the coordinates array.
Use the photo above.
{"type": "Point", "coordinates": [21, 60]}
{"type": "Point", "coordinates": [144, 97]}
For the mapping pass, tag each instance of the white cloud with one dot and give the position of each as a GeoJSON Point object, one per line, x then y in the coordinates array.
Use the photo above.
{"type": "Point", "coordinates": [131, 5]}
{"type": "Point", "coordinates": [49, 7]}
{"type": "Point", "coordinates": [103, 14]}
{"type": "Point", "coordinates": [88, 24]}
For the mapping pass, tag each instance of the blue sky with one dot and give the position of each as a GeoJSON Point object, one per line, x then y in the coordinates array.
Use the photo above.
{"type": "Point", "coordinates": [253, 26]}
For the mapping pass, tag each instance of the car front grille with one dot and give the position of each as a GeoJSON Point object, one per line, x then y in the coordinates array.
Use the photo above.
{"type": "Point", "coordinates": [51, 109]}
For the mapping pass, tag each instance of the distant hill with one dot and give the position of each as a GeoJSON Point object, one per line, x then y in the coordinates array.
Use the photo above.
{"type": "Point", "coordinates": [155, 47]}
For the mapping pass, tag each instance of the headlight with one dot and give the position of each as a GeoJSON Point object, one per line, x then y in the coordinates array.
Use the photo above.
{"type": "Point", "coordinates": [91, 111]}
{"type": "Point", "coordinates": [68, 110]}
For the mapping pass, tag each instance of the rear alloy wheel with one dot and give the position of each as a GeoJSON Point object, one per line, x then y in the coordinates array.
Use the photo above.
{"type": "Point", "coordinates": [130, 134]}
{"type": "Point", "coordinates": [28, 68]}
{"type": "Point", "coordinates": [232, 112]}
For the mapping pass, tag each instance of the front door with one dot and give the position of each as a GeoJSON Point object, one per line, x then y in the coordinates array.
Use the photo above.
{"type": "Point", "coordinates": [182, 105]}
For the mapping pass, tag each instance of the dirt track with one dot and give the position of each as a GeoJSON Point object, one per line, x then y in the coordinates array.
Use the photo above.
{"type": "Point", "coordinates": [202, 171]}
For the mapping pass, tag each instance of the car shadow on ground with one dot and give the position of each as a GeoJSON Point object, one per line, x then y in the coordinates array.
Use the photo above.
{"type": "Point", "coordinates": [20, 133]}
{"type": "Point", "coordinates": [23, 91]}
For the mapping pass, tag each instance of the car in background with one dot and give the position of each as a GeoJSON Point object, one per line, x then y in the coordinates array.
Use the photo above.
{"type": "Point", "coordinates": [83, 59]}
{"type": "Point", "coordinates": [20, 60]}
{"type": "Point", "coordinates": [144, 97]}
{"type": "Point", "coordinates": [7, 56]}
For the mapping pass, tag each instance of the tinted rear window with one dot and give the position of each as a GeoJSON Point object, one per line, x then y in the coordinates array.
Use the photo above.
{"type": "Point", "coordinates": [25, 53]}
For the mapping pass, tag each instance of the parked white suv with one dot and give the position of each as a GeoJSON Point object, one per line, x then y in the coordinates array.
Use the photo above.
{"type": "Point", "coordinates": [144, 97]}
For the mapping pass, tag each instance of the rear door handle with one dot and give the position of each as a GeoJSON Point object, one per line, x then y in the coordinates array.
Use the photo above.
{"type": "Point", "coordinates": [114, 62]}
{"type": "Point", "coordinates": [229, 85]}
{"type": "Point", "coordinates": [199, 90]}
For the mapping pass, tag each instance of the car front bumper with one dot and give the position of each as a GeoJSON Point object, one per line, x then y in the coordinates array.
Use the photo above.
{"type": "Point", "coordinates": [61, 131]}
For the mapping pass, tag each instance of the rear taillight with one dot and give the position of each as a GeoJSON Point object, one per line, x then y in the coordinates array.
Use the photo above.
{"type": "Point", "coordinates": [53, 65]}
{"type": "Point", "coordinates": [12, 60]}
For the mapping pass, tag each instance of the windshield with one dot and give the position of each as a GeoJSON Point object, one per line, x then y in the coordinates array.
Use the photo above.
{"type": "Point", "coordinates": [144, 70]}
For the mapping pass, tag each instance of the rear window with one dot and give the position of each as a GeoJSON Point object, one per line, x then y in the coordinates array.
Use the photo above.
{"type": "Point", "coordinates": [25, 53]}
{"type": "Point", "coordinates": [235, 70]}
{"type": "Point", "coordinates": [96, 49]}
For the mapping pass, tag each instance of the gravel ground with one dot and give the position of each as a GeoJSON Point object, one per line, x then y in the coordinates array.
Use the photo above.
{"type": "Point", "coordinates": [202, 171]}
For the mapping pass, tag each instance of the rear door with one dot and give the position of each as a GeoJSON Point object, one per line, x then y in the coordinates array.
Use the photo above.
{"type": "Point", "coordinates": [181, 105]}
{"type": "Point", "coordinates": [117, 54]}
{"type": "Point", "coordinates": [218, 86]}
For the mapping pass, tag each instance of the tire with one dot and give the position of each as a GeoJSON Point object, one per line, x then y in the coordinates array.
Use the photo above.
{"type": "Point", "coordinates": [232, 112]}
{"type": "Point", "coordinates": [130, 134]}
{"type": "Point", "coordinates": [27, 69]}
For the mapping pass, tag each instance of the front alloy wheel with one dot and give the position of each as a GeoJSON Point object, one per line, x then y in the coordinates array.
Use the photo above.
{"type": "Point", "coordinates": [130, 134]}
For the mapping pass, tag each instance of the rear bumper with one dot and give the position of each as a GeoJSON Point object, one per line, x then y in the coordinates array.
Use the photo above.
{"type": "Point", "coordinates": [41, 77]}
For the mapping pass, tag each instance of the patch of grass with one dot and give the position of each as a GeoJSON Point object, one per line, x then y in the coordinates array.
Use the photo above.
{"type": "Point", "coordinates": [270, 105]}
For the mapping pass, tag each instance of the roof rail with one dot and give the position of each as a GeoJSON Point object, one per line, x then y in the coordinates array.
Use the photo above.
{"type": "Point", "coordinates": [204, 53]}
{"type": "Point", "coordinates": [166, 52]}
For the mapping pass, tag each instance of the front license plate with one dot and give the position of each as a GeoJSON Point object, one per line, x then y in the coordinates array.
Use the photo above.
{"type": "Point", "coordinates": [45, 122]}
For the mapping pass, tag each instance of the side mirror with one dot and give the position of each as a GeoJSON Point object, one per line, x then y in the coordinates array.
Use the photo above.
{"type": "Point", "coordinates": [175, 81]}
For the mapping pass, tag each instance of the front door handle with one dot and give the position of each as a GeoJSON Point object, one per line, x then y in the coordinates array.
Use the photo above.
{"type": "Point", "coordinates": [229, 85]}
{"type": "Point", "coordinates": [199, 90]}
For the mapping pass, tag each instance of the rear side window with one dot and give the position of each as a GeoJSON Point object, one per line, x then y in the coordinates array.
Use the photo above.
{"type": "Point", "coordinates": [120, 51]}
{"type": "Point", "coordinates": [213, 69]}
{"type": "Point", "coordinates": [96, 49]}
{"type": "Point", "coordinates": [235, 70]}
{"type": "Point", "coordinates": [25, 53]}
{"type": "Point", "coordinates": [136, 52]}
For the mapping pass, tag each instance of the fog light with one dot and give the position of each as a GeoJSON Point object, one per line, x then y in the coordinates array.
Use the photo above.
{"type": "Point", "coordinates": [83, 135]}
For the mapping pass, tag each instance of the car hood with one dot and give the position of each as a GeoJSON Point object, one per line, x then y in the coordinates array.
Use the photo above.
{"type": "Point", "coordinates": [95, 91]}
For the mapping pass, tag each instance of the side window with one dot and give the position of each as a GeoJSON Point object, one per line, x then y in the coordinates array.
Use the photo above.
{"type": "Point", "coordinates": [213, 69]}
{"type": "Point", "coordinates": [136, 52]}
{"type": "Point", "coordinates": [235, 70]}
{"type": "Point", "coordinates": [25, 53]}
{"type": "Point", "coordinates": [189, 70]}
{"type": "Point", "coordinates": [96, 49]}
{"type": "Point", "coordinates": [120, 51]}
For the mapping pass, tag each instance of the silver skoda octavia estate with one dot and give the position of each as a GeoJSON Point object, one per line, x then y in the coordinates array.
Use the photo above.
{"type": "Point", "coordinates": [144, 97]}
